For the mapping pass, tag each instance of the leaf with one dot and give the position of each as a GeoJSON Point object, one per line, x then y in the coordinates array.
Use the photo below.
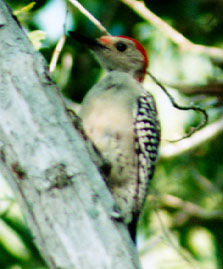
{"type": "Point", "coordinates": [24, 9]}
{"type": "Point", "coordinates": [36, 37]}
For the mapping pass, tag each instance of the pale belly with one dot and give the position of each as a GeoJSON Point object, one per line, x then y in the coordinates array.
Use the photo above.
{"type": "Point", "coordinates": [114, 138]}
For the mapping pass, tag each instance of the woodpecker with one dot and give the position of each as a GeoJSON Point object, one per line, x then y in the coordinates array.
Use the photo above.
{"type": "Point", "coordinates": [120, 117]}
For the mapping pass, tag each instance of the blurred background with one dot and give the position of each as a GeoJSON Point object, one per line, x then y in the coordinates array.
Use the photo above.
{"type": "Point", "coordinates": [182, 222]}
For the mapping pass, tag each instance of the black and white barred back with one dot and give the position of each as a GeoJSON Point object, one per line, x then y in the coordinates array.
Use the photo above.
{"type": "Point", "coordinates": [147, 139]}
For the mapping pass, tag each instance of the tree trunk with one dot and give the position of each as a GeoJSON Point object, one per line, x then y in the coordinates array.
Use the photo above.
{"type": "Point", "coordinates": [65, 200]}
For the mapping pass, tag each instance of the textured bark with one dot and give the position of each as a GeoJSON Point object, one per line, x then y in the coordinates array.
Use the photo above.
{"type": "Point", "coordinates": [64, 199]}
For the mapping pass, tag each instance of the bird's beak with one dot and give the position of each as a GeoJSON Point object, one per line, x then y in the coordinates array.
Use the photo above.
{"type": "Point", "coordinates": [93, 44]}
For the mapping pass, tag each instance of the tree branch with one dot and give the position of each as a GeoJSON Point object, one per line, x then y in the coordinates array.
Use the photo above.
{"type": "Point", "coordinates": [183, 43]}
{"type": "Point", "coordinates": [189, 209]}
{"type": "Point", "coordinates": [171, 150]}
{"type": "Point", "coordinates": [212, 89]}
{"type": "Point", "coordinates": [66, 203]}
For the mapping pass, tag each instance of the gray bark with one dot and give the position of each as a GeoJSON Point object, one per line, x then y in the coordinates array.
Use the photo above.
{"type": "Point", "coordinates": [65, 200]}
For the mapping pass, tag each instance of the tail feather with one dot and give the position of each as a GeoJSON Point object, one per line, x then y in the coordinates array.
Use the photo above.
{"type": "Point", "coordinates": [132, 227]}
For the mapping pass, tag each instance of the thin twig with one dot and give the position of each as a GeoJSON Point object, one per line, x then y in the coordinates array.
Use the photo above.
{"type": "Point", "coordinates": [59, 46]}
{"type": "Point", "coordinates": [193, 129]}
{"type": "Point", "coordinates": [90, 16]}
{"type": "Point", "coordinates": [184, 43]}
{"type": "Point", "coordinates": [167, 236]}
{"type": "Point", "coordinates": [56, 53]}
{"type": "Point", "coordinates": [61, 42]}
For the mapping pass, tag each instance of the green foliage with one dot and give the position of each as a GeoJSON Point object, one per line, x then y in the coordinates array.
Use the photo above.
{"type": "Point", "coordinates": [17, 249]}
{"type": "Point", "coordinates": [189, 190]}
{"type": "Point", "coordinates": [36, 38]}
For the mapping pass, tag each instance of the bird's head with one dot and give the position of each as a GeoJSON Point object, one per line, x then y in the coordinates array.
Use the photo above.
{"type": "Point", "coordinates": [119, 53]}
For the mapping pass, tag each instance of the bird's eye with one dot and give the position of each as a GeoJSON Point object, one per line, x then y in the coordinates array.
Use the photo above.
{"type": "Point", "coordinates": [121, 46]}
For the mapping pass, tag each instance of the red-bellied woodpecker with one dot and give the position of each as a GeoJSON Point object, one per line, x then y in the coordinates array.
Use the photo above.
{"type": "Point", "coordinates": [120, 117]}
